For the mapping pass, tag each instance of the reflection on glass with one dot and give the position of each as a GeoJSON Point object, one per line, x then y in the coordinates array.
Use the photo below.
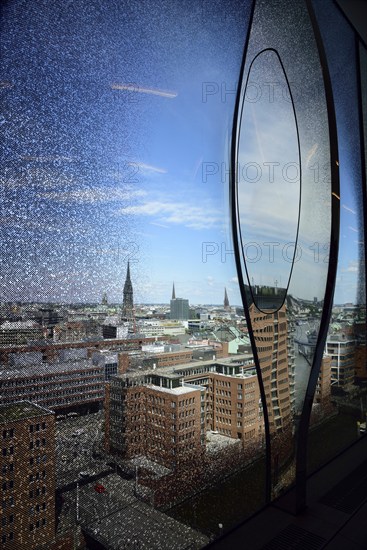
{"type": "Point", "coordinates": [283, 224]}
{"type": "Point", "coordinates": [345, 350]}
{"type": "Point", "coordinates": [268, 181]}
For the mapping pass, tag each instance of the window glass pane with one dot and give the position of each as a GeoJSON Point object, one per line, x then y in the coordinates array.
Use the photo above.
{"type": "Point", "coordinates": [284, 216]}
{"type": "Point", "coordinates": [117, 125]}
{"type": "Point", "coordinates": [345, 351]}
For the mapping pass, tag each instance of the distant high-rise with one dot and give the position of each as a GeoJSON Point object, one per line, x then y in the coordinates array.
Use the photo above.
{"type": "Point", "coordinates": [173, 292]}
{"type": "Point", "coordinates": [226, 301]}
{"type": "Point", "coordinates": [128, 303]}
{"type": "Point", "coordinates": [104, 299]}
{"type": "Point", "coordinates": [179, 309]}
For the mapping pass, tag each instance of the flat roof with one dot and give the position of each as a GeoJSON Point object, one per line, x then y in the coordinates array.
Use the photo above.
{"type": "Point", "coordinates": [20, 410]}
{"type": "Point", "coordinates": [42, 369]}
{"type": "Point", "coordinates": [132, 523]}
{"type": "Point", "coordinates": [232, 361]}
{"type": "Point", "coordinates": [174, 391]}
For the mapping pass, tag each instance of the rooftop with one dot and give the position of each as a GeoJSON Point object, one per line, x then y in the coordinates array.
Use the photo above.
{"type": "Point", "coordinates": [43, 369]}
{"type": "Point", "coordinates": [176, 391]}
{"type": "Point", "coordinates": [21, 409]}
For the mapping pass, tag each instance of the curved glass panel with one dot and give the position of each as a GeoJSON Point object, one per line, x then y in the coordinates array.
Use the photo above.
{"type": "Point", "coordinates": [283, 57]}
{"type": "Point", "coordinates": [268, 182]}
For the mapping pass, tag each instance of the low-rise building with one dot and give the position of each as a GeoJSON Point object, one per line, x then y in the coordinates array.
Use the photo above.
{"type": "Point", "coordinates": [56, 385]}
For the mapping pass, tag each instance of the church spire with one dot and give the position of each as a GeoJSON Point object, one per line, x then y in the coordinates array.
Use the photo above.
{"type": "Point", "coordinates": [173, 292]}
{"type": "Point", "coordinates": [128, 303]}
{"type": "Point", "coordinates": [226, 301]}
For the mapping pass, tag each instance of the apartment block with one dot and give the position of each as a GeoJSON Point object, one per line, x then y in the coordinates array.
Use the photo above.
{"type": "Point", "coordinates": [342, 353]}
{"type": "Point", "coordinates": [276, 357]}
{"type": "Point", "coordinates": [323, 388]}
{"type": "Point", "coordinates": [27, 459]}
{"type": "Point", "coordinates": [232, 399]}
{"type": "Point", "coordinates": [156, 417]}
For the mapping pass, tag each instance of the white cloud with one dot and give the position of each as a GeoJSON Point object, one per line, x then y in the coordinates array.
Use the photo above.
{"type": "Point", "coordinates": [210, 280]}
{"type": "Point", "coordinates": [148, 167]}
{"type": "Point", "coordinates": [347, 208]}
{"type": "Point", "coordinates": [352, 267]}
{"type": "Point", "coordinates": [135, 88]}
{"type": "Point", "coordinates": [177, 213]}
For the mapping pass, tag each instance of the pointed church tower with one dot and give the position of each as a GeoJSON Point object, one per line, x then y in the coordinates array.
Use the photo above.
{"type": "Point", "coordinates": [173, 292]}
{"type": "Point", "coordinates": [226, 301]}
{"type": "Point", "coordinates": [128, 303]}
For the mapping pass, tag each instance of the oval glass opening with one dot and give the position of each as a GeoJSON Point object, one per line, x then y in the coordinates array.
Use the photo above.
{"type": "Point", "coordinates": [268, 182]}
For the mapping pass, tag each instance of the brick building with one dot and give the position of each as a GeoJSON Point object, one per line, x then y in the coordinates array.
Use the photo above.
{"type": "Point", "coordinates": [154, 416]}
{"type": "Point", "coordinates": [27, 513]}
{"type": "Point", "coordinates": [341, 349]}
{"type": "Point", "coordinates": [58, 385]}
{"type": "Point", "coordinates": [276, 357]}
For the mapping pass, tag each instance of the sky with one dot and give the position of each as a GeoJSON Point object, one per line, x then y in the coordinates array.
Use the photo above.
{"type": "Point", "coordinates": [116, 128]}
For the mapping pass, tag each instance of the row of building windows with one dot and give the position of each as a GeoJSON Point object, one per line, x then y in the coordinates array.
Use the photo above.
{"type": "Point", "coordinates": [37, 460]}
{"type": "Point", "coordinates": [37, 524]}
{"type": "Point", "coordinates": [224, 392]}
{"type": "Point", "coordinates": [65, 376]}
{"type": "Point", "coordinates": [37, 492]}
{"type": "Point", "coordinates": [8, 468]}
{"type": "Point", "coordinates": [186, 424]}
{"type": "Point", "coordinates": [37, 427]}
{"type": "Point", "coordinates": [37, 476]}
{"type": "Point", "coordinates": [37, 443]}
{"type": "Point", "coordinates": [223, 420]}
{"type": "Point", "coordinates": [36, 509]}
{"type": "Point", "coordinates": [186, 402]}
{"type": "Point", "coordinates": [224, 411]}
{"type": "Point", "coordinates": [188, 412]}
{"type": "Point", "coordinates": [34, 391]}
